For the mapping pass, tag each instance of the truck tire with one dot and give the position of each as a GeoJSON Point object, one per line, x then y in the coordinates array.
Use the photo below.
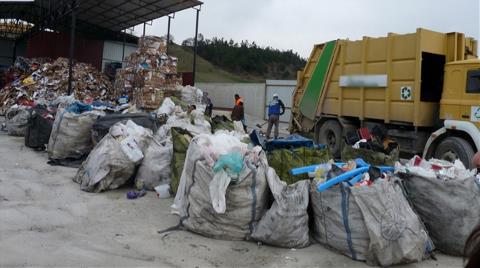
{"type": "Point", "coordinates": [330, 133]}
{"type": "Point", "coordinates": [453, 148]}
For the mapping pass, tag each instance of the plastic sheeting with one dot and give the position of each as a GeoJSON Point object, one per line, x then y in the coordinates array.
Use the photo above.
{"type": "Point", "coordinates": [290, 142]}
{"type": "Point", "coordinates": [39, 128]}
{"type": "Point", "coordinates": [103, 124]}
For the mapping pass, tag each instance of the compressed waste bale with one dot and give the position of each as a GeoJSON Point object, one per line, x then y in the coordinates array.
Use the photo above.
{"type": "Point", "coordinates": [285, 224]}
{"type": "Point", "coordinates": [283, 160]}
{"type": "Point", "coordinates": [370, 156]}
{"type": "Point", "coordinates": [112, 162]}
{"type": "Point", "coordinates": [39, 128]}
{"type": "Point", "coordinates": [71, 135]}
{"type": "Point", "coordinates": [102, 124]}
{"type": "Point", "coordinates": [245, 198]}
{"type": "Point", "coordinates": [449, 207]}
{"type": "Point", "coordinates": [181, 140]}
{"type": "Point", "coordinates": [155, 168]}
{"type": "Point", "coordinates": [17, 120]}
{"type": "Point", "coordinates": [370, 223]}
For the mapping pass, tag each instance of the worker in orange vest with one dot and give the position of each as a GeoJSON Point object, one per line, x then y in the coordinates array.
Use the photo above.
{"type": "Point", "coordinates": [238, 99]}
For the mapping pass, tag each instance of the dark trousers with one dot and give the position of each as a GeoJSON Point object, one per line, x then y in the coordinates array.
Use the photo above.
{"type": "Point", "coordinates": [273, 119]}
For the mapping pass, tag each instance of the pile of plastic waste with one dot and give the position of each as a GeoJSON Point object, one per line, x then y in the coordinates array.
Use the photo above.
{"type": "Point", "coordinates": [447, 198]}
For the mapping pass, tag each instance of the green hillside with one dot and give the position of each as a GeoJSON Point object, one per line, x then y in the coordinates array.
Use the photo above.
{"type": "Point", "coordinates": [207, 72]}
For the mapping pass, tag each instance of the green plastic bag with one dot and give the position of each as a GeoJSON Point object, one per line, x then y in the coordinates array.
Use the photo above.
{"type": "Point", "coordinates": [181, 140]}
{"type": "Point", "coordinates": [283, 160]}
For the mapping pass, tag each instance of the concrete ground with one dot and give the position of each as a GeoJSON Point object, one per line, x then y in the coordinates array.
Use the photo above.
{"type": "Point", "coordinates": [46, 220]}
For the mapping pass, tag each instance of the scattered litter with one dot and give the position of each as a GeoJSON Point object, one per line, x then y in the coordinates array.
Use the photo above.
{"type": "Point", "coordinates": [163, 191]}
{"type": "Point", "coordinates": [135, 194]}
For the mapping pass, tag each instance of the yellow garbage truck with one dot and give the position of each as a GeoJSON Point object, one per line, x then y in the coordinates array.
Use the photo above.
{"type": "Point", "coordinates": [422, 88]}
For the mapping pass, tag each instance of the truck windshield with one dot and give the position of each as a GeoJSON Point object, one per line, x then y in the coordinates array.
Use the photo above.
{"type": "Point", "coordinates": [473, 81]}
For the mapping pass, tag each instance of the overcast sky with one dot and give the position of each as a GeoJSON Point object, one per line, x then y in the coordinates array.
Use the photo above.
{"type": "Point", "coordinates": [299, 24]}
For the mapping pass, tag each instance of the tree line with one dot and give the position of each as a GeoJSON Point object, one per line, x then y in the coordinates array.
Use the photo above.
{"type": "Point", "coordinates": [248, 57]}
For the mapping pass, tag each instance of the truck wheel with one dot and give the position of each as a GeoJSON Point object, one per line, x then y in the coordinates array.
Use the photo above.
{"type": "Point", "coordinates": [453, 148]}
{"type": "Point", "coordinates": [330, 133]}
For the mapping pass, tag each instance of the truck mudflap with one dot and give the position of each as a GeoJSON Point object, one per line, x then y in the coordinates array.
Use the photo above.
{"type": "Point", "coordinates": [464, 126]}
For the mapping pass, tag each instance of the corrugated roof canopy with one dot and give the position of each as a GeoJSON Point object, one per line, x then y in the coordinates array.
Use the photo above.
{"type": "Point", "coordinates": [93, 16]}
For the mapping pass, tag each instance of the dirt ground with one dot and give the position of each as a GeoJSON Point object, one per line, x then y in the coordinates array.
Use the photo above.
{"type": "Point", "coordinates": [46, 220]}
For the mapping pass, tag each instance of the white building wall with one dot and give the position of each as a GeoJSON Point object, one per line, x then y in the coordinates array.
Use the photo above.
{"type": "Point", "coordinates": [255, 95]}
{"type": "Point", "coordinates": [284, 89]}
{"type": "Point", "coordinates": [112, 51]}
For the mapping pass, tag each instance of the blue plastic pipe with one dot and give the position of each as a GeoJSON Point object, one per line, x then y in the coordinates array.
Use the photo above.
{"type": "Point", "coordinates": [341, 178]}
{"type": "Point", "coordinates": [312, 168]}
{"type": "Point", "coordinates": [355, 179]}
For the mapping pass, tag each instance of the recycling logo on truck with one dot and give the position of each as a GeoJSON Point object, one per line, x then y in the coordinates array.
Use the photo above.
{"type": "Point", "coordinates": [406, 93]}
{"type": "Point", "coordinates": [475, 114]}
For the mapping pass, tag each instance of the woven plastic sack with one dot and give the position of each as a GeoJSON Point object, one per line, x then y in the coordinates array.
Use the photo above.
{"type": "Point", "coordinates": [71, 135]}
{"type": "Point", "coordinates": [370, 223]}
{"type": "Point", "coordinates": [109, 166]}
{"type": "Point", "coordinates": [285, 224]}
{"type": "Point", "coordinates": [450, 209]}
{"type": "Point", "coordinates": [155, 168]}
{"type": "Point", "coordinates": [245, 200]}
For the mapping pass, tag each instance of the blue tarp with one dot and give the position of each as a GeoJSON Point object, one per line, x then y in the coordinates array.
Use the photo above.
{"type": "Point", "coordinates": [78, 108]}
{"type": "Point", "coordinates": [290, 142]}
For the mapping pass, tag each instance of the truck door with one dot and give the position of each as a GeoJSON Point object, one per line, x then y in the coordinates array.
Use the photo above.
{"type": "Point", "coordinates": [454, 86]}
{"type": "Point", "coordinates": [470, 108]}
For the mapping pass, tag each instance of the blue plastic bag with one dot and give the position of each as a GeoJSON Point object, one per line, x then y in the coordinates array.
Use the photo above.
{"type": "Point", "coordinates": [233, 162]}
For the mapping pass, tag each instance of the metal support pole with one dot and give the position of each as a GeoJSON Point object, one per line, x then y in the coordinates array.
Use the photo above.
{"type": "Point", "coordinates": [195, 48]}
{"type": "Point", "coordinates": [123, 47]}
{"type": "Point", "coordinates": [168, 32]}
{"type": "Point", "coordinates": [144, 26]}
{"type": "Point", "coordinates": [72, 47]}
{"type": "Point", "coordinates": [14, 51]}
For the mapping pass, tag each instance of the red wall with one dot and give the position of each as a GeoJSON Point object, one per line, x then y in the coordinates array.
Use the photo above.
{"type": "Point", "coordinates": [54, 45]}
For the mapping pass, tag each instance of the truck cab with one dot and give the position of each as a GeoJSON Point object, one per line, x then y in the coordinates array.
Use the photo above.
{"type": "Point", "coordinates": [459, 138]}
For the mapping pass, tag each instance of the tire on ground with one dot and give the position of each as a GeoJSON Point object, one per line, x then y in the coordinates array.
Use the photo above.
{"type": "Point", "coordinates": [330, 133]}
{"type": "Point", "coordinates": [455, 147]}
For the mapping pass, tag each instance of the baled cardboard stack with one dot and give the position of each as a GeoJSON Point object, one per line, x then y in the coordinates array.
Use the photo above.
{"type": "Point", "coordinates": [150, 74]}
